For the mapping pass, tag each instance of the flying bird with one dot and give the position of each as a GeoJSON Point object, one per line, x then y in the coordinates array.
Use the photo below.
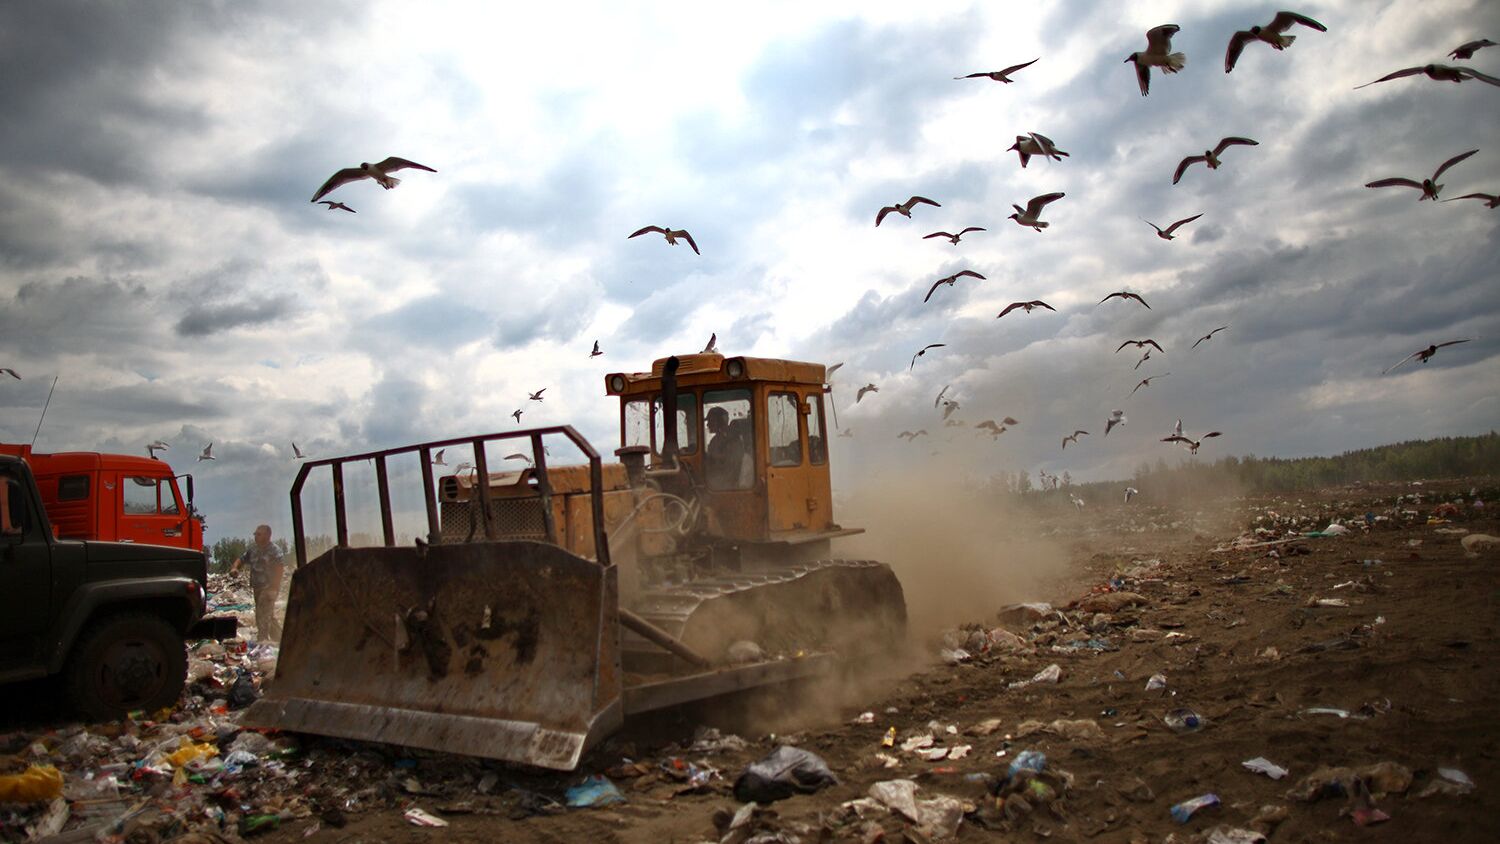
{"type": "Point", "coordinates": [828, 373]}
{"type": "Point", "coordinates": [297, 453]}
{"type": "Point", "coordinates": [1191, 444]}
{"type": "Point", "coordinates": [596, 352]}
{"type": "Point", "coordinates": [1125, 295]}
{"type": "Point", "coordinates": [1424, 355]}
{"type": "Point", "coordinates": [1116, 417]}
{"type": "Point", "coordinates": [519, 456]}
{"type": "Point", "coordinates": [1035, 143]}
{"type": "Point", "coordinates": [1026, 306]}
{"type": "Point", "coordinates": [380, 172]}
{"type": "Point", "coordinates": [868, 388]}
{"type": "Point", "coordinates": [949, 407]}
{"type": "Point", "coordinates": [1141, 344]}
{"type": "Point", "coordinates": [1003, 75]}
{"type": "Point", "coordinates": [954, 238]}
{"type": "Point", "coordinates": [154, 447]}
{"type": "Point", "coordinates": [208, 453]}
{"type": "Point", "coordinates": [1146, 382]}
{"type": "Point", "coordinates": [923, 351]}
{"type": "Point", "coordinates": [517, 414]}
{"type": "Point", "coordinates": [995, 428]}
{"type": "Point", "coordinates": [337, 206]}
{"type": "Point", "coordinates": [5, 370]}
{"type": "Point", "coordinates": [670, 234]}
{"type": "Point", "coordinates": [1429, 187]}
{"type": "Point", "coordinates": [1271, 33]}
{"type": "Point", "coordinates": [939, 399]}
{"type": "Point", "coordinates": [904, 208]}
{"type": "Point", "coordinates": [950, 280]}
{"type": "Point", "coordinates": [1211, 156]}
{"type": "Point", "coordinates": [537, 396]}
{"type": "Point", "coordinates": [1157, 54]}
{"type": "Point", "coordinates": [1490, 200]}
{"type": "Point", "coordinates": [1031, 214]}
{"type": "Point", "coordinates": [1437, 73]}
{"type": "Point", "coordinates": [1130, 492]}
{"type": "Point", "coordinates": [911, 435]}
{"type": "Point", "coordinates": [1073, 438]}
{"type": "Point", "coordinates": [1209, 335]}
{"type": "Point", "coordinates": [437, 459]}
{"type": "Point", "coordinates": [1166, 234]}
{"type": "Point", "coordinates": [713, 345]}
{"type": "Point", "coordinates": [1144, 358]}
{"type": "Point", "coordinates": [1467, 50]}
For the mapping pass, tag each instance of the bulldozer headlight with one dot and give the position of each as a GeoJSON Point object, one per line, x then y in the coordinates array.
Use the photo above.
{"type": "Point", "coordinates": [735, 369]}
{"type": "Point", "coordinates": [617, 383]}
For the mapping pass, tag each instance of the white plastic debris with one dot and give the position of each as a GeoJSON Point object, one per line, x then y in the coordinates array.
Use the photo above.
{"type": "Point", "coordinates": [419, 817]}
{"type": "Point", "coordinates": [1262, 765]}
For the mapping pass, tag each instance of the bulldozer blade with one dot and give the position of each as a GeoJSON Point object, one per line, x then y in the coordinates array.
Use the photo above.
{"type": "Point", "coordinates": [507, 650]}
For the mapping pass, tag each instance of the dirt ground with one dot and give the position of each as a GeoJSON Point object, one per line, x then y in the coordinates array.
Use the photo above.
{"type": "Point", "coordinates": [1409, 659]}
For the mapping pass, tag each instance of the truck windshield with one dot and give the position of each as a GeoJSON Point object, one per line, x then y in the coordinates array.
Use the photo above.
{"type": "Point", "coordinates": [687, 424]}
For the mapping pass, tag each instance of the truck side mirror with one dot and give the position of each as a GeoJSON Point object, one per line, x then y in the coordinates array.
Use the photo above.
{"type": "Point", "coordinates": [190, 490]}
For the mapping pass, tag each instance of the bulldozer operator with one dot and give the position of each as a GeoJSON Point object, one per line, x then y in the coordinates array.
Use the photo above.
{"type": "Point", "coordinates": [726, 454]}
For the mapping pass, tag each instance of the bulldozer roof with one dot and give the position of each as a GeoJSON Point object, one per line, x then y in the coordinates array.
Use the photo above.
{"type": "Point", "coordinates": [712, 367]}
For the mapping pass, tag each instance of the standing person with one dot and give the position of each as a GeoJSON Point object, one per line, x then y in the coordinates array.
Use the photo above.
{"type": "Point", "coordinates": [264, 560]}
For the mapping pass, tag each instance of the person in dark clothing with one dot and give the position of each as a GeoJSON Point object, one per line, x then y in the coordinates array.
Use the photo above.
{"type": "Point", "coordinates": [264, 561]}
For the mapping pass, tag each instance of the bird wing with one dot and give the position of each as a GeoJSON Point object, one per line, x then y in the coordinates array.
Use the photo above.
{"type": "Point", "coordinates": [932, 346]}
{"type": "Point", "coordinates": [1409, 71]}
{"type": "Point", "coordinates": [1015, 67]}
{"type": "Point", "coordinates": [542, 390]}
{"type": "Point", "coordinates": [968, 229]}
{"type": "Point", "coordinates": [828, 373]}
{"type": "Point", "coordinates": [1110, 296]}
{"type": "Point", "coordinates": [969, 273]}
{"type": "Point", "coordinates": [1043, 141]}
{"type": "Point", "coordinates": [1226, 143]}
{"type": "Point", "coordinates": [1152, 225]}
{"type": "Point", "coordinates": [1176, 438]}
{"type": "Point", "coordinates": [1390, 183]}
{"type": "Point", "coordinates": [1143, 77]}
{"type": "Point", "coordinates": [884, 211]}
{"type": "Point", "coordinates": [1137, 297]}
{"type": "Point", "coordinates": [682, 233]}
{"type": "Point", "coordinates": [1200, 340]}
{"type": "Point", "coordinates": [342, 177]}
{"type": "Point", "coordinates": [973, 75]}
{"type": "Point", "coordinates": [1398, 365]}
{"type": "Point", "coordinates": [656, 229]}
{"type": "Point", "coordinates": [1284, 21]}
{"type": "Point", "coordinates": [394, 163]}
{"type": "Point", "coordinates": [858, 396]}
{"type": "Point", "coordinates": [1484, 196]}
{"type": "Point", "coordinates": [713, 339]}
{"type": "Point", "coordinates": [1040, 304]}
{"type": "Point", "coordinates": [1451, 343]}
{"type": "Point", "coordinates": [936, 234]}
{"type": "Point", "coordinates": [913, 361]}
{"type": "Point", "coordinates": [1009, 421]}
{"type": "Point", "coordinates": [1185, 164]}
{"type": "Point", "coordinates": [1151, 342]}
{"type": "Point", "coordinates": [1237, 44]}
{"type": "Point", "coordinates": [1212, 434]}
{"type": "Point", "coordinates": [1037, 203]}
{"type": "Point", "coordinates": [1126, 343]}
{"type": "Point", "coordinates": [1159, 38]}
{"type": "Point", "coordinates": [940, 395]}
{"type": "Point", "coordinates": [1084, 433]}
{"type": "Point", "coordinates": [596, 345]}
{"type": "Point", "coordinates": [921, 199]}
{"type": "Point", "coordinates": [1174, 226]}
{"type": "Point", "coordinates": [1144, 382]}
{"type": "Point", "coordinates": [1012, 306]}
{"type": "Point", "coordinates": [1452, 161]}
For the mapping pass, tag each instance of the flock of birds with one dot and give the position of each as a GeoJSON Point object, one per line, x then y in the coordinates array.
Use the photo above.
{"type": "Point", "coordinates": [1158, 55]}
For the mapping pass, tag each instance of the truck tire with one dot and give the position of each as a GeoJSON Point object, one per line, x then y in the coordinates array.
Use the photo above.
{"type": "Point", "coordinates": [125, 662]}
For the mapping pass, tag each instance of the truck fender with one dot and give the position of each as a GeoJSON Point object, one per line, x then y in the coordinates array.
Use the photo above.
{"type": "Point", "coordinates": [183, 595]}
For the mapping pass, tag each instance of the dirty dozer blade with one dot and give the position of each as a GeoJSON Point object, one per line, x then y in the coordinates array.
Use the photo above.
{"type": "Point", "coordinates": [507, 650]}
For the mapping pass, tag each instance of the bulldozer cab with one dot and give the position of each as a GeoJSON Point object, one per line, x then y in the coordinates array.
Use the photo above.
{"type": "Point", "coordinates": [751, 432]}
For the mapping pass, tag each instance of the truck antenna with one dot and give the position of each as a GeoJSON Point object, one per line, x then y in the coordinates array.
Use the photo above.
{"type": "Point", "coordinates": [44, 412]}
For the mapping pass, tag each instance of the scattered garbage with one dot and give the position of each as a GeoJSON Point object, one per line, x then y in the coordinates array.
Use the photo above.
{"type": "Point", "coordinates": [594, 791]}
{"type": "Point", "coordinates": [1184, 720]}
{"type": "Point", "coordinates": [787, 771]}
{"type": "Point", "coordinates": [1184, 811]}
{"type": "Point", "coordinates": [1157, 681]}
{"type": "Point", "coordinates": [1050, 674]}
{"type": "Point", "coordinates": [1262, 765]}
{"type": "Point", "coordinates": [1083, 729]}
{"type": "Point", "coordinates": [1477, 542]}
{"type": "Point", "coordinates": [1028, 760]}
{"type": "Point", "coordinates": [1324, 710]}
{"type": "Point", "coordinates": [419, 817]}
{"type": "Point", "coordinates": [36, 784]}
{"type": "Point", "coordinates": [937, 818]}
{"type": "Point", "coordinates": [1379, 779]}
{"type": "Point", "coordinates": [1451, 782]}
{"type": "Point", "coordinates": [1234, 835]}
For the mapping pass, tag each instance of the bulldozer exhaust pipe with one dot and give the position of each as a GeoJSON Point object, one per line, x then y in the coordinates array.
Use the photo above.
{"type": "Point", "coordinates": [669, 410]}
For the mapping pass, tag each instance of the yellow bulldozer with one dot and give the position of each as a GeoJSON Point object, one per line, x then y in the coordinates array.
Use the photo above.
{"type": "Point", "coordinates": [544, 604]}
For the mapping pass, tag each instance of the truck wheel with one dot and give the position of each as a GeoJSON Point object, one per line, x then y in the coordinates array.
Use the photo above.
{"type": "Point", "coordinates": [126, 662]}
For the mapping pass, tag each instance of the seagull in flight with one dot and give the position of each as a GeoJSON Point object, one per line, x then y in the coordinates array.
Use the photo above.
{"type": "Point", "coordinates": [1035, 143]}
{"type": "Point", "coordinates": [1131, 492]}
{"type": "Point", "coordinates": [208, 453]}
{"type": "Point", "coordinates": [297, 452]}
{"type": "Point", "coordinates": [5, 370]}
{"type": "Point", "coordinates": [1191, 444]}
{"type": "Point", "coordinates": [1467, 50]}
{"type": "Point", "coordinates": [1002, 75]}
{"type": "Point", "coordinates": [911, 435]}
{"type": "Point", "coordinates": [1073, 438]}
{"type": "Point", "coordinates": [1490, 200]}
{"type": "Point", "coordinates": [339, 206]}
{"type": "Point", "coordinates": [828, 373]}
{"type": "Point", "coordinates": [1144, 358]}
{"type": "Point", "coordinates": [1157, 54]}
{"type": "Point", "coordinates": [954, 238]}
{"type": "Point", "coordinates": [1211, 156]}
{"type": "Point", "coordinates": [596, 352]}
{"type": "Point", "coordinates": [996, 428]}
{"type": "Point", "coordinates": [1424, 355]}
{"type": "Point", "coordinates": [1141, 344]}
{"type": "Point", "coordinates": [949, 407]}
{"type": "Point", "coordinates": [1031, 214]}
{"type": "Point", "coordinates": [1437, 73]}
{"type": "Point", "coordinates": [519, 456]}
{"type": "Point", "coordinates": [1126, 295]}
{"type": "Point", "coordinates": [156, 446]}
{"type": "Point", "coordinates": [517, 414]}
{"type": "Point", "coordinates": [904, 208]}
{"type": "Point", "coordinates": [950, 280]}
{"type": "Point", "coordinates": [537, 396]}
{"type": "Point", "coordinates": [670, 234]}
{"type": "Point", "coordinates": [1271, 33]}
{"type": "Point", "coordinates": [437, 459]}
{"type": "Point", "coordinates": [1026, 306]}
{"type": "Point", "coordinates": [1116, 417]}
{"type": "Point", "coordinates": [1146, 382]}
{"type": "Point", "coordinates": [868, 388]}
{"type": "Point", "coordinates": [380, 172]}
{"type": "Point", "coordinates": [713, 345]}
{"type": "Point", "coordinates": [1166, 234]}
{"type": "Point", "coordinates": [939, 399]}
{"type": "Point", "coordinates": [1429, 187]}
{"type": "Point", "coordinates": [923, 351]}
{"type": "Point", "coordinates": [1209, 335]}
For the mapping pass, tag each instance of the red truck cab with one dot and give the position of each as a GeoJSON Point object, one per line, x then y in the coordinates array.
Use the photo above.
{"type": "Point", "coordinates": [113, 497]}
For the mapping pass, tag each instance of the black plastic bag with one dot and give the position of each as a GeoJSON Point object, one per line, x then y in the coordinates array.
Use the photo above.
{"type": "Point", "coordinates": [788, 771]}
{"type": "Point", "coordinates": [243, 692]}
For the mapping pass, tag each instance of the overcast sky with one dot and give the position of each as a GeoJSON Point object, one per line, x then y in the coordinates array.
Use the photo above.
{"type": "Point", "coordinates": [158, 253]}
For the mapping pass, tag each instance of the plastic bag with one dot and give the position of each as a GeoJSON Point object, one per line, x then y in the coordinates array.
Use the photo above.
{"type": "Point", "coordinates": [593, 791]}
{"type": "Point", "coordinates": [34, 785]}
{"type": "Point", "coordinates": [787, 771]}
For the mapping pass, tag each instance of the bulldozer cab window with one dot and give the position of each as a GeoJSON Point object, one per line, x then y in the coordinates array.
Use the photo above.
{"type": "Point", "coordinates": [637, 430]}
{"type": "Point", "coordinates": [782, 415]}
{"type": "Point", "coordinates": [817, 440]}
{"type": "Point", "coordinates": [687, 424]}
{"type": "Point", "coordinates": [728, 455]}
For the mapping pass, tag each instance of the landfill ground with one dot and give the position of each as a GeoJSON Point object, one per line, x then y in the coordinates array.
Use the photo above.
{"type": "Point", "coordinates": [1407, 666]}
